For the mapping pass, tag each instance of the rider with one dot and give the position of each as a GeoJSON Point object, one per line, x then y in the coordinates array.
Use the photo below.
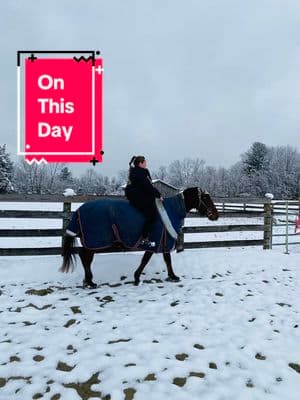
{"type": "Point", "coordinates": [141, 194]}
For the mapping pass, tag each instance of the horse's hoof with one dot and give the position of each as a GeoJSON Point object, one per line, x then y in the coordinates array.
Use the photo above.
{"type": "Point", "coordinates": [173, 278]}
{"type": "Point", "coordinates": [136, 279]}
{"type": "Point", "coordinates": [89, 285]}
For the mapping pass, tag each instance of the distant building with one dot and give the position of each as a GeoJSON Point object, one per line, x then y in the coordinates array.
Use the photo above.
{"type": "Point", "coordinates": [165, 188]}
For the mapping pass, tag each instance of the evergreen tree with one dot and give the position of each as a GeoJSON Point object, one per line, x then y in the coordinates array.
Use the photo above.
{"type": "Point", "coordinates": [6, 171]}
{"type": "Point", "coordinates": [65, 175]}
{"type": "Point", "coordinates": [256, 159]}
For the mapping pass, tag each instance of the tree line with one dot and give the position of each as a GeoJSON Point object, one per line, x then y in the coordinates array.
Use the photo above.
{"type": "Point", "coordinates": [260, 169]}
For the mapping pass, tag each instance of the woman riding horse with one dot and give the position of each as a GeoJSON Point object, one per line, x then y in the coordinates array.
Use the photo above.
{"type": "Point", "coordinates": [191, 198]}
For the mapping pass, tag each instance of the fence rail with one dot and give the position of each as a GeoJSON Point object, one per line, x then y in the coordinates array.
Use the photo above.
{"type": "Point", "coordinates": [256, 208]}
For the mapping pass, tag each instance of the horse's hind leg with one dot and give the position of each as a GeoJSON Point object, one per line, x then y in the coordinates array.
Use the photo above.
{"type": "Point", "coordinates": [86, 257]}
{"type": "Point", "coordinates": [171, 276]}
{"type": "Point", "coordinates": [140, 269]}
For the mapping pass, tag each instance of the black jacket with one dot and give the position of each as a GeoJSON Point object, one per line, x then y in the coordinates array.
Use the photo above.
{"type": "Point", "coordinates": [140, 188]}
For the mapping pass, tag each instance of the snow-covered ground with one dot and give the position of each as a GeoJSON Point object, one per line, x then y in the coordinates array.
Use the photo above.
{"type": "Point", "coordinates": [228, 330]}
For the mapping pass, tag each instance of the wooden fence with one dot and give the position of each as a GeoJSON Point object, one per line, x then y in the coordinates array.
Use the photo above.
{"type": "Point", "coordinates": [259, 208]}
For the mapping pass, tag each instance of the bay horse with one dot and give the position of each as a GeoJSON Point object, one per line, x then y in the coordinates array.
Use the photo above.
{"type": "Point", "coordinates": [193, 198]}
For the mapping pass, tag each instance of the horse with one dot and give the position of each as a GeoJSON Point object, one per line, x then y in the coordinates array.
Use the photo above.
{"type": "Point", "coordinates": [188, 199]}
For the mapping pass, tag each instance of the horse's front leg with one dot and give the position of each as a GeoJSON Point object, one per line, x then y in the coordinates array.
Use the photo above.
{"type": "Point", "coordinates": [86, 257]}
{"type": "Point", "coordinates": [171, 276]}
{"type": "Point", "coordinates": [140, 269]}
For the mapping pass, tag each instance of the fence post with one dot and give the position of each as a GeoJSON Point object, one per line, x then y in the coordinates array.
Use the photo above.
{"type": "Point", "coordinates": [268, 222]}
{"type": "Point", "coordinates": [66, 218]}
{"type": "Point", "coordinates": [180, 241]}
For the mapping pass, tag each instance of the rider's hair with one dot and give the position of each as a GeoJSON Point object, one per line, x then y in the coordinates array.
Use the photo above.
{"type": "Point", "coordinates": [136, 160]}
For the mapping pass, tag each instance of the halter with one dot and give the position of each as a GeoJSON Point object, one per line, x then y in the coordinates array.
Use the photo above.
{"type": "Point", "coordinates": [208, 210]}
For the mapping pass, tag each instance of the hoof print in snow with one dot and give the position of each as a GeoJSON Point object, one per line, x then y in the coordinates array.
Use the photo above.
{"type": "Point", "coordinates": [69, 323]}
{"type": "Point", "coordinates": [118, 341]}
{"type": "Point", "coordinates": [150, 377]}
{"type": "Point", "coordinates": [38, 358]}
{"type": "Point", "coordinates": [212, 365]}
{"type": "Point", "coordinates": [283, 304]}
{"type": "Point", "coordinates": [61, 366]}
{"type": "Point", "coordinates": [56, 396]}
{"type": "Point", "coordinates": [249, 383]}
{"type": "Point", "coordinates": [129, 393]}
{"type": "Point", "coordinates": [179, 381]}
{"type": "Point", "coordinates": [295, 367]}
{"type": "Point", "coordinates": [39, 292]}
{"type": "Point", "coordinates": [71, 349]}
{"type": "Point", "coordinates": [181, 357]}
{"type": "Point", "coordinates": [197, 374]}
{"type": "Point", "coordinates": [199, 346]}
{"type": "Point", "coordinates": [14, 359]}
{"type": "Point", "coordinates": [28, 323]}
{"type": "Point", "coordinates": [76, 310]}
{"type": "Point", "coordinates": [258, 356]}
{"type": "Point", "coordinates": [37, 396]}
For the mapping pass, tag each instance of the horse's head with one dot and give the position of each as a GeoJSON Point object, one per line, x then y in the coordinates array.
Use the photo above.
{"type": "Point", "coordinates": [201, 200]}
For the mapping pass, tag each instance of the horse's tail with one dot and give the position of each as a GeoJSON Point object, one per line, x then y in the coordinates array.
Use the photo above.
{"type": "Point", "coordinates": [68, 247]}
{"type": "Point", "coordinates": [68, 253]}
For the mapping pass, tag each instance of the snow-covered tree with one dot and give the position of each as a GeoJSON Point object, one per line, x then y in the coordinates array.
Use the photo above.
{"type": "Point", "coordinates": [161, 173]}
{"type": "Point", "coordinates": [189, 172]}
{"type": "Point", "coordinates": [6, 171]}
{"type": "Point", "coordinates": [256, 158]}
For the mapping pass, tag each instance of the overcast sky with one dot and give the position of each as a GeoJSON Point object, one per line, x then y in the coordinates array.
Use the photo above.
{"type": "Point", "coordinates": [193, 78]}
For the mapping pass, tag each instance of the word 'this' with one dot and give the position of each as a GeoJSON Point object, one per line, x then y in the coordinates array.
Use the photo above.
{"type": "Point", "coordinates": [49, 106]}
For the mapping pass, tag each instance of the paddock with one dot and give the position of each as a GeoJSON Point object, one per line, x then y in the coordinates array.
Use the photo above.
{"type": "Point", "coordinates": [228, 329]}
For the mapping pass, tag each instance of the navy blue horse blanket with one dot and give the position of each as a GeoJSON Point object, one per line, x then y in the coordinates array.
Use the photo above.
{"type": "Point", "coordinates": [101, 223]}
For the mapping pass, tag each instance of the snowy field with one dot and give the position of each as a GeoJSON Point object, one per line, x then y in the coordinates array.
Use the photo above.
{"type": "Point", "coordinates": [229, 330]}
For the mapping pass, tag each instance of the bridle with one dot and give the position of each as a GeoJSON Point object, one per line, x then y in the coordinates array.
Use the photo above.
{"type": "Point", "coordinates": [209, 212]}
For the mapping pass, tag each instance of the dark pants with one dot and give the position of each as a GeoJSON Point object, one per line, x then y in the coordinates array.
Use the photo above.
{"type": "Point", "coordinates": [149, 210]}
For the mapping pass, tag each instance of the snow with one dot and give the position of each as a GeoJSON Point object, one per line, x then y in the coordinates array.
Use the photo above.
{"type": "Point", "coordinates": [238, 304]}
{"type": "Point", "coordinates": [69, 192]}
{"type": "Point", "coordinates": [269, 196]}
